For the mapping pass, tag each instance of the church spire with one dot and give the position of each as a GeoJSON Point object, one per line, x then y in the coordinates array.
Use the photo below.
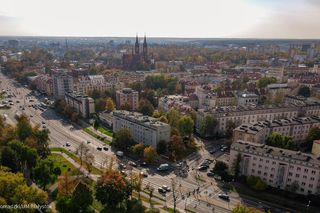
{"type": "Point", "coordinates": [145, 49]}
{"type": "Point", "coordinates": [136, 46]}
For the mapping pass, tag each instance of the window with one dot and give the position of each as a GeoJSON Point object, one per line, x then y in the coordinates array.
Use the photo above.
{"type": "Point", "coordinates": [312, 178]}
{"type": "Point", "coordinates": [252, 170]}
{"type": "Point", "coordinates": [310, 185]}
{"type": "Point", "coordinates": [313, 172]}
{"type": "Point", "coordinates": [259, 172]}
{"type": "Point", "coordinates": [298, 169]}
{"type": "Point", "coordinates": [304, 177]}
{"type": "Point", "coordinates": [305, 170]}
{"type": "Point", "coordinates": [303, 183]}
{"type": "Point", "coordinates": [290, 173]}
{"type": "Point", "coordinates": [297, 175]}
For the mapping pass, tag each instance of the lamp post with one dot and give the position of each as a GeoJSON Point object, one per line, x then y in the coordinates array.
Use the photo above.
{"type": "Point", "coordinates": [308, 205]}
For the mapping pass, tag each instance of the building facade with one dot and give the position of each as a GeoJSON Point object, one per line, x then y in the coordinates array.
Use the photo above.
{"type": "Point", "coordinates": [62, 83]}
{"type": "Point", "coordinates": [296, 128]}
{"type": "Point", "coordinates": [280, 168]}
{"type": "Point", "coordinates": [84, 105]}
{"type": "Point", "coordinates": [44, 84]}
{"type": "Point", "coordinates": [144, 129]}
{"type": "Point", "coordinates": [127, 96]}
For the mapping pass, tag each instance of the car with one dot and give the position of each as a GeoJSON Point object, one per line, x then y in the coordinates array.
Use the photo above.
{"type": "Point", "coordinates": [43, 122]}
{"type": "Point", "coordinates": [223, 149]}
{"type": "Point", "coordinates": [17, 102]}
{"type": "Point", "coordinates": [212, 151]}
{"type": "Point", "coordinates": [217, 177]}
{"type": "Point", "coordinates": [144, 173]}
{"type": "Point", "coordinates": [88, 142]}
{"type": "Point", "coordinates": [125, 173]}
{"type": "Point", "coordinates": [165, 187]}
{"type": "Point", "coordinates": [210, 174]}
{"type": "Point", "coordinates": [11, 103]}
{"type": "Point", "coordinates": [31, 100]}
{"type": "Point", "coordinates": [99, 148]}
{"type": "Point", "coordinates": [44, 126]}
{"type": "Point", "coordinates": [121, 165]}
{"type": "Point", "coordinates": [224, 196]}
{"type": "Point", "coordinates": [23, 108]}
{"type": "Point", "coordinates": [163, 167]}
{"type": "Point", "coordinates": [162, 190]}
{"type": "Point", "coordinates": [31, 116]}
{"type": "Point", "coordinates": [119, 153]}
{"type": "Point", "coordinates": [202, 167]}
{"type": "Point", "coordinates": [131, 163]}
{"type": "Point", "coordinates": [105, 148]}
{"type": "Point", "coordinates": [144, 164]}
{"type": "Point", "coordinates": [68, 144]}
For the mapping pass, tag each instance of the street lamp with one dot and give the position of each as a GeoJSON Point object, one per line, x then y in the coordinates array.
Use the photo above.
{"type": "Point", "coordinates": [308, 205]}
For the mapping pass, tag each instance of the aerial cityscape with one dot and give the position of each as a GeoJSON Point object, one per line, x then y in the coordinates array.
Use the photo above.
{"type": "Point", "coordinates": [160, 106]}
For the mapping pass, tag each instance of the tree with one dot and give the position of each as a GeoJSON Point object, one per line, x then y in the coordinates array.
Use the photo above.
{"type": "Point", "coordinates": [135, 206]}
{"type": "Point", "coordinates": [185, 125]}
{"type": "Point", "coordinates": [314, 134]}
{"type": "Point", "coordinates": [176, 147]}
{"type": "Point", "coordinates": [230, 126]}
{"type": "Point", "coordinates": [149, 153]}
{"type": "Point", "coordinates": [82, 198]}
{"type": "Point", "coordinates": [9, 159]}
{"type": "Point", "coordinates": [304, 91]}
{"type": "Point", "coordinates": [110, 105]}
{"type": "Point", "coordinates": [123, 138]}
{"type": "Point", "coordinates": [112, 190]}
{"type": "Point", "coordinates": [137, 149]}
{"type": "Point", "coordinates": [82, 151]}
{"type": "Point", "coordinates": [265, 81]}
{"type": "Point", "coordinates": [162, 147]}
{"type": "Point", "coordinates": [174, 195]}
{"type": "Point", "coordinates": [100, 105]}
{"type": "Point", "coordinates": [278, 140]}
{"type": "Point", "coordinates": [42, 138]}
{"type": "Point", "coordinates": [173, 117]}
{"type": "Point", "coordinates": [43, 172]}
{"type": "Point", "coordinates": [24, 128]}
{"type": "Point", "coordinates": [208, 126]}
{"type": "Point", "coordinates": [145, 107]}
{"type": "Point", "coordinates": [256, 183]}
{"type": "Point", "coordinates": [14, 190]}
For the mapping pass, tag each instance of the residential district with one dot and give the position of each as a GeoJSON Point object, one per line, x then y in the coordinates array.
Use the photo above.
{"type": "Point", "coordinates": [157, 125]}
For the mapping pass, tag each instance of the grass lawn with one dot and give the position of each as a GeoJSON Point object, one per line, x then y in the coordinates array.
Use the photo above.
{"type": "Point", "coordinates": [95, 170]}
{"type": "Point", "coordinates": [87, 130]}
{"type": "Point", "coordinates": [105, 131]}
{"type": "Point", "coordinates": [62, 163]}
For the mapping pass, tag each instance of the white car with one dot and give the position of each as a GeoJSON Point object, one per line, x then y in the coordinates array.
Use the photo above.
{"type": "Point", "coordinates": [166, 188]}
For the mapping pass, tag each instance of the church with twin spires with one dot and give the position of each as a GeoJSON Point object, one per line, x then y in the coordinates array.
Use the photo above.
{"type": "Point", "coordinates": [138, 60]}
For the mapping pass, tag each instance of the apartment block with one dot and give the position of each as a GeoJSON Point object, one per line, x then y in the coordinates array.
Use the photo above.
{"type": "Point", "coordinates": [44, 84]}
{"type": "Point", "coordinates": [62, 83]}
{"type": "Point", "coordinates": [144, 129]}
{"type": "Point", "coordinates": [297, 128]}
{"type": "Point", "coordinates": [84, 105]}
{"type": "Point", "coordinates": [127, 96]}
{"type": "Point", "coordinates": [86, 84]}
{"type": "Point", "coordinates": [280, 168]}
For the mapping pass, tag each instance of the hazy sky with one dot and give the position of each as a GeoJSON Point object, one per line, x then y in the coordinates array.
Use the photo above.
{"type": "Point", "coordinates": [162, 18]}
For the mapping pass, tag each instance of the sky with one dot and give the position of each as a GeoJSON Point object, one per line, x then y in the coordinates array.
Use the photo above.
{"type": "Point", "coordinates": [162, 18]}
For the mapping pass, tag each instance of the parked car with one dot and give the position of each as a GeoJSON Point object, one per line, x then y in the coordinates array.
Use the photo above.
{"type": "Point", "coordinates": [210, 174]}
{"type": "Point", "coordinates": [99, 148]}
{"type": "Point", "coordinates": [122, 166]}
{"type": "Point", "coordinates": [131, 163]}
{"type": "Point", "coordinates": [144, 173]}
{"type": "Point", "coordinates": [224, 196]}
{"type": "Point", "coordinates": [202, 167]}
{"type": "Point", "coordinates": [162, 190]}
{"type": "Point", "coordinates": [144, 164]}
{"type": "Point", "coordinates": [68, 144]}
{"type": "Point", "coordinates": [119, 153]}
{"type": "Point", "coordinates": [167, 188]}
{"type": "Point", "coordinates": [163, 167]}
{"type": "Point", "coordinates": [105, 148]}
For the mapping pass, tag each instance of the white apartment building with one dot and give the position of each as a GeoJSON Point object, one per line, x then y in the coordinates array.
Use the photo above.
{"type": "Point", "coordinates": [62, 83]}
{"type": "Point", "coordinates": [144, 129]}
{"type": "Point", "coordinates": [297, 128]}
{"type": "Point", "coordinates": [84, 105]}
{"type": "Point", "coordinates": [252, 114]}
{"type": "Point", "coordinates": [246, 98]}
{"type": "Point", "coordinates": [127, 96]}
{"type": "Point", "coordinates": [279, 168]}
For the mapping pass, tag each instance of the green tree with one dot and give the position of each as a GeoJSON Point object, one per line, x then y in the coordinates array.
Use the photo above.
{"type": "Point", "coordinates": [14, 190]}
{"type": "Point", "coordinates": [256, 183]}
{"type": "Point", "coordinates": [43, 172]}
{"type": "Point", "coordinates": [278, 140]}
{"type": "Point", "coordinates": [135, 206]}
{"type": "Point", "coordinates": [145, 107]}
{"type": "Point", "coordinates": [173, 117]}
{"type": "Point", "coordinates": [185, 125]}
{"type": "Point", "coordinates": [176, 147]}
{"type": "Point", "coordinates": [265, 81]}
{"type": "Point", "coordinates": [24, 128]}
{"type": "Point", "coordinates": [113, 190]}
{"type": "Point", "coordinates": [42, 138]}
{"type": "Point", "coordinates": [244, 209]}
{"type": "Point", "coordinates": [304, 91]}
{"type": "Point", "coordinates": [9, 159]}
{"type": "Point", "coordinates": [100, 105]}
{"type": "Point", "coordinates": [123, 138]}
{"type": "Point", "coordinates": [82, 198]}
{"type": "Point", "coordinates": [208, 126]}
{"type": "Point", "coordinates": [230, 126]}
{"type": "Point", "coordinates": [314, 134]}
{"type": "Point", "coordinates": [110, 105]}
{"type": "Point", "coordinates": [137, 149]}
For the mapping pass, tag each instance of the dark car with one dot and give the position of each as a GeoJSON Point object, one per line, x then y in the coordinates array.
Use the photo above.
{"type": "Point", "coordinates": [162, 190]}
{"type": "Point", "coordinates": [223, 196]}
{"type": "Point", "coordinates": [131, 163]}
{"type": "Point", "coordinates": [105, 148]}
{"type": "Point", "coordinates": [99, 148]}
{"type": "Point", "coordinates": [212, 151]}
{"type": "Point", "coordinates": [203, 167]}
{"type": "Point", "coordinates": [210, 174]}
{"type": "Point", "coordinates": [143, 164]}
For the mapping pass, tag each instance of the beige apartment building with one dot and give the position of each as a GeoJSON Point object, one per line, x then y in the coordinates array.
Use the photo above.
{"type": "Point", "coordinates": [86, 84]}
{"type": "Point", "coordinates": [84, 105]}
{"type": "Point", "coordinates": [279, 168]}
{"type": "Point", "coordinates": [144, 129]}
{"type": "Point", "coordinates": [297, 128]}
{"type": "Point", "coordinates": [127, 96]}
